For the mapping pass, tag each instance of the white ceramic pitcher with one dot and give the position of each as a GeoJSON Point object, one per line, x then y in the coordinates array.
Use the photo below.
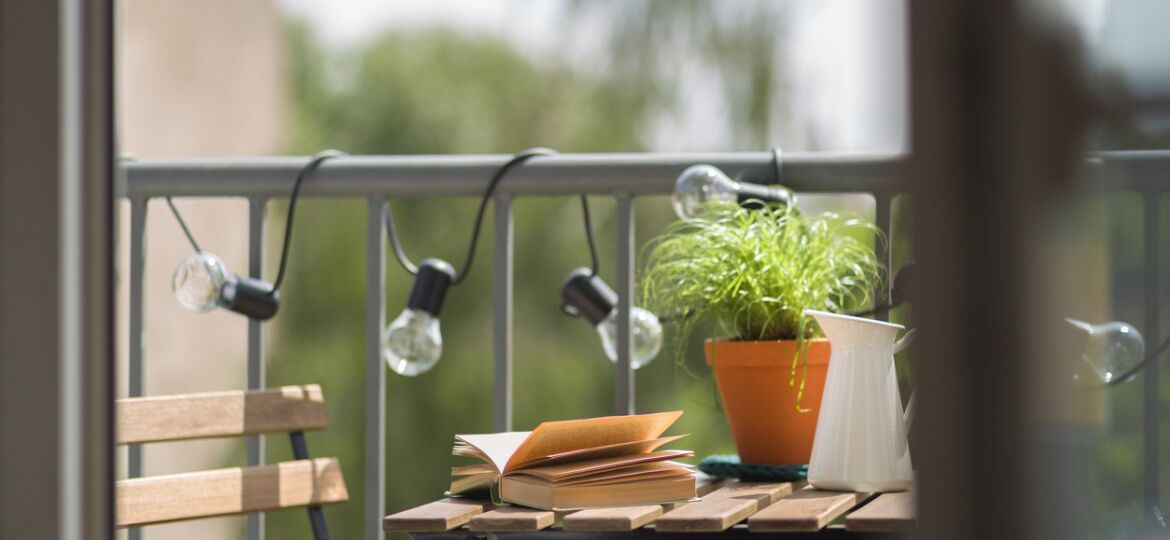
{"type": "Point", "coordinates": [860, 442]}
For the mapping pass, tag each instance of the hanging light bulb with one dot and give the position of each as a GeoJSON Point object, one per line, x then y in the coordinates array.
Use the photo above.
{"type": "Point", "coordinates": [202, 282]}
{"type": "Point", "coordinates": [586, 295]}
{"type": "Point", "coordinates": [1111, 349]}
{"type": "Point", "coordinates": [412, 344]}
{"type": "Point", "coordinates": [701, 184]}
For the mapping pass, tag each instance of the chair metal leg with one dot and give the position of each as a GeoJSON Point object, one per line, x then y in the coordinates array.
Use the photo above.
{"type": "Point", "coordinates": [300, 450]}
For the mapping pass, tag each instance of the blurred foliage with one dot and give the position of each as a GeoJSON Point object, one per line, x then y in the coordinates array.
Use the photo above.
{"type": "Point", "coordinates": [435, 91]}
{"type": "Point", "coordinates": [735, 42]}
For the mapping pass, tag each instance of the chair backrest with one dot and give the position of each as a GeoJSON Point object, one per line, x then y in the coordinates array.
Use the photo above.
{"type": "Point", "coordinates": [236, 490]}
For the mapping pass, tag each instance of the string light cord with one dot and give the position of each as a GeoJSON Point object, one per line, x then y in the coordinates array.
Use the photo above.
{"type": "Point", "coordinates": [304, 173]}
{"type": "Point", "coordinates": [776, 161]}
{"type": "Point", "coordinates": [589, 235]}
{"type": "Point", "coordinates": [308, 169]}
{"type": "Point", "coordinates": [1133, 371]}
{"type": "Point", "coordinates": [499, 175]}
{"type": "Point", "coordinates": [183, 225]}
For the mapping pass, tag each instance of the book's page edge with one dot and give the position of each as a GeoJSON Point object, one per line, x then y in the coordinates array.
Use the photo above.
{"type": "Point", "coordinates": [656, 424]}
{"type": "Point", "coordinates": [594, 466]}
{"type": "Point", "coordinates": [693, 498]}
{"type": "Point", "coordinates": [485, 482]}
{"type": "Point", "coordinates": [650, 445]}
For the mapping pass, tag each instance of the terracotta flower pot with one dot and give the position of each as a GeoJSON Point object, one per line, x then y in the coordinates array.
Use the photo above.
{"type": "Point", "coordinates": [761, 408]}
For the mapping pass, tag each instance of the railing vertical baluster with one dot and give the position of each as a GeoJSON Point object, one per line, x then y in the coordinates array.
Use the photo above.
{"type": "Point", "coordinates": [1151, 477]}
{"type": "Point", "coordinates": [375, 470]}
{"type": "Point", "coordinates": [256, 377]}
{"type": "Point", "coordinates": [624, 379]}
{"type": "Point", "coordinates": [137, 341]}
{"type": "Point", "coordinates": [502, 316]}
{"type": "Point", "coordinates": [883, 246]}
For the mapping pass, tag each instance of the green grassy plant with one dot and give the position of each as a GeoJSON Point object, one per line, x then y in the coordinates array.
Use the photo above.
{"type": "Point", "coordinates": [751, 273]}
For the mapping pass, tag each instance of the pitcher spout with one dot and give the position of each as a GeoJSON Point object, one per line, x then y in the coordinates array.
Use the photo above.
{"type": "Point", "coordinates": [857, 331]}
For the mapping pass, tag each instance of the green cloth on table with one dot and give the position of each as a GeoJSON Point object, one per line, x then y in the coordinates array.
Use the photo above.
{"type": "Point", "coordinates": [728, 466]}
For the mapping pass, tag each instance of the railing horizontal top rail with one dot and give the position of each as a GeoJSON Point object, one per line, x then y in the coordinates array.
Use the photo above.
{"type": "Point", "coordinates": [466, 175]}
{"type": "Point", "coordinates": [600, 174]}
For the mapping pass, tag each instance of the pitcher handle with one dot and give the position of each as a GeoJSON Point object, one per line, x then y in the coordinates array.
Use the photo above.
{"type": "Point", "coordinates": [908, 415]}
{"type": "Point", "coordinates": [905, 341]}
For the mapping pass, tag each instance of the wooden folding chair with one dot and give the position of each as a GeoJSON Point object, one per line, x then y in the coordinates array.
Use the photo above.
{"type": "Point", "coordinates": [236, 490]}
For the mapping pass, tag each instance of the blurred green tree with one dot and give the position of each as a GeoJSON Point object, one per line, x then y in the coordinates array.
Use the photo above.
{"type": "Point", "coordinates": [436, 91]}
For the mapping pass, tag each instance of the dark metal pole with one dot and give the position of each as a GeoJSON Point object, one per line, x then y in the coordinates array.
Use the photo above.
{"type": "Point", "coordinates": [996, 121]}
{"type": "Point", "coordinates": [300, 450]}
{"type": "Point", "coordinates": [1152, 401]}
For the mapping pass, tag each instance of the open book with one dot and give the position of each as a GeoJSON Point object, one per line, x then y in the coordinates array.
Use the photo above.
{"type": "Point", "coordinates": [608, 461]}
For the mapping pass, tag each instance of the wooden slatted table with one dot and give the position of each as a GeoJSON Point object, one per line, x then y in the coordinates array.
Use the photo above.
{"type": "Point", "coordinates": [727, 508]}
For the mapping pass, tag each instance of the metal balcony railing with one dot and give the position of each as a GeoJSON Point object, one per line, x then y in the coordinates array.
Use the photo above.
{"type": "Point", "coordinates": [621, 176]}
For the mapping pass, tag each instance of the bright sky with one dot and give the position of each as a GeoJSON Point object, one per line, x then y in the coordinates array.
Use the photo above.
{"type": "Point", "coordinates": [844, 58]}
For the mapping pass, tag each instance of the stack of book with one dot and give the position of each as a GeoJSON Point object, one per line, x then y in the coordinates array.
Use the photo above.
{"type": "Point", "coordinates": [609, 461]}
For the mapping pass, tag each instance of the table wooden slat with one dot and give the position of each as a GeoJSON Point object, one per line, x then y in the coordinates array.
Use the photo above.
{"type": "Point", "coordinates": [889, 512]}
{"type": "Point", "coordinates": [723, 507]}
{"type": "Point", "coordinates": [705, 483]}
{"type": "Point", "coordinates": [622, 518]}
{"type": "Point", "coordinates": [439, 516]}
{"type": "Point", "coordinates": [807, 510]}
{"type": "Point", "coordinates": [512, 519]}
{"type": "Point", "coordinates": [628, 518]}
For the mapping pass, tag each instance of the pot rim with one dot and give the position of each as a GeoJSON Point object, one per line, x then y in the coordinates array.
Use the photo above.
{"type": "Point", "coordinates": [732, 340]}
{"type": "Point", "coordinates": [763, 353]}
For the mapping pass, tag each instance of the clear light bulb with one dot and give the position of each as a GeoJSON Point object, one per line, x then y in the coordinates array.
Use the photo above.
{"type": "Point", "coordinates": [1112, 348]}
{"type": "Point", "coordinates": [587, 296]}
{"type": "Point", "coordinates": [199, 281]}
{"type": "Point", "coordinates": [701, 184]}
{"type": "Point", "coordinates": [646, 334]}
{"type": "Point", "coordinates": [412, 344]}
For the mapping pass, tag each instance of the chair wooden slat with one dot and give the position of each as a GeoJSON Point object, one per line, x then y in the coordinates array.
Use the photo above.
{"type": "Point", "coordinates": [512, 519]}
{"type": "Point", "coordinates": [621, 518]}
{"type": "Point", "coordinates": [807, 510]}
{"type": "Point", "coordinates": [220, 414]}
{"type": "Point", "coordinates": [237, 490]}
{"type": "Point", "coordinates": [723, 507]}
{"type": "Point", "coordinates": [889, 512]}
{"type": "Point", "coordinates": [439, 516]}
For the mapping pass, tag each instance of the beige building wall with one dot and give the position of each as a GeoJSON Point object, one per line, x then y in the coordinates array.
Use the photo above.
{"type": "Point", "coordinates": [196, 79]}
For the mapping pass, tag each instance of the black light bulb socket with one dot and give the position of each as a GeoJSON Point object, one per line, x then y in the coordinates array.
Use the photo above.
{"type": "Point", "coordinates": [431, 282]}
{"type": "Point", "coordinates": [250, 297]}
{"type": "Point", "coordinates": [586, 295]}
{"type": "Point", "coordinates": [751, 194]}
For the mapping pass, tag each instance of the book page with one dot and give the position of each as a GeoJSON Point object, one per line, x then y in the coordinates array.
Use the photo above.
{"type": "Point", "coordinates": [582, 468]}
{"type": "Point", "coordinates": [676, 472]}
{"type": "Point", "coordinates": [556, 437]}
{"type": "Point", "coordinates": [612, 450]}
{"type": "Point", "coordinates": [634, 471]}
{"type": "Point", "coordinates": [496, 447]}
{"type": "Point", "coordinates": [468, 470]}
